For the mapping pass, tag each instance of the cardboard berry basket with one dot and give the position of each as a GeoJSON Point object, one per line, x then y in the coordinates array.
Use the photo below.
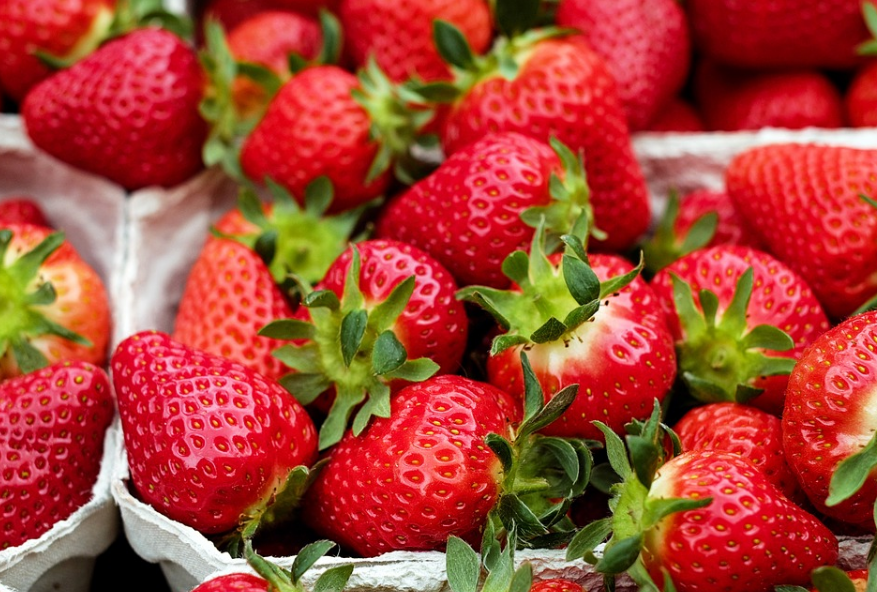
{"type": "Point", "coordinates": [91, 212]}
{"type": "Point", "coordinates": [165, 232]}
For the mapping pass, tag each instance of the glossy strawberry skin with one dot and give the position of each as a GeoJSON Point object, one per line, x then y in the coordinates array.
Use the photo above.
{"type": "Point", "coordinates": [314, 127]}
{"type": "Point", "coordinates": [411, 480]}
{"type": "Point", "coordinates": [742, 429]}
{"type": "Point", "coordinates": [81, 304]}
{"type": "Point", "coordinates": [229, 296]}
{"type": "Point", "coordinates": [127, 112]}
{"type": "Point", "coordinates": [827, 417]}
{"type": "Point", "coordinates": [433, 324]}
{"type": "Point", "coordinates": [400, 38]}
{"type": "Point", "coordinates": [787, 33]}
{"type": "Point", "coordinates": [678, 116]}
{"type": "Point", "coordinates": [236, 582]}
{"type": "Point", "coordinates": [22, 209]}
{"type": "Point", "coordinates": [860, 100]}
{"type": "Point", "coordinates": [467, 213]}
{"type": "Point", "coordinates": [560, 87]}
{"type": "Point", "coordinates": [780, 297]}
{"type": "Point", "coordinates": [556, 585]}
{"type": "Point", "coordinates": [730, 228]}
{"type": "Point", "coordinates": [647, 46]}
{"type": "Point", "coordinates": [738, 99]}
{"type": "Point", "coordinates": [750, 537]}
{"type": "Point", "coordinates": [623, 360]}
{"type": "Point", "coordinates": [49, 26]}
{"type": "Point", "coordinates": [803, 201]}
{"type": "Point", "coordinates": [52, 427]}
{"type": "Point", "coordinates": [207, 439]}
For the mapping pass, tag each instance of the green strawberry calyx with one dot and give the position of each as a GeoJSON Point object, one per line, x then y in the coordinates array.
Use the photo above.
{"type": "Point", "coordinates": [22, 296]}
{"type": "Point", "coordinates": [551, 301]}
{"type": "Point", "coordinates": [635, 460]}
{"type": "Point", "coordinates": [719, 357]}
{"type": "Point", "coordinates": [666, 246]}
{"type": "Point", "coordinates": [279, 579]}
{"type": "Point", "coordinates": [493, 570]}
{"type": "Point", "coordinates": [351, 347]}
{"type": "Point", "coordinates": [296, 240]}
{"type": "Point", "coordinates": [827, 578]}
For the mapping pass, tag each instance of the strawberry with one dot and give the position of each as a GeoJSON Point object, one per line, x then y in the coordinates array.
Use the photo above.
{"type": "Point", "coordinates": [678, 116]}
{"type": "Point", "coordinates": [752, 433]}
{"type": "Point", "coordinates": [447, 462]}
{"type": "Point", "coordinates": [556, 585]}
{"type": "Point", "coordinates": [472, 231]}
{"type": "Point", "coordinates": [700, 520]}
{"type": "Point", "coordinates": [66, 30]}
{"type": "Point", "coordinates": [543, 84]}
{"type": "Point", "coordinates": [752, 319]}
{"type": "Point", "coordinates": [804, 202]}
{"type": "Point", "coordinates": [646, 45]}
{"type": "Point", "coordinates": [612, 338]}
{"type": "Point", "coordinates": [399, 35]}
{"type": "Point", "coordinates": [52, 427]}
{"type": "Point", "coordinates": [384, 315]}
{"type": "Point", "coordinates": [128, 111]}
{"type": "Point", "coordinates": [826, 420]}
{"type": "Point", "coordinates": [55, 305]}
{"type": "Point", "coordinates": [730, 226]}
{"type": "Point", "coordinates": [731, 99]}
{"type": "Point", "coordinates": [860, 99]}
{"type": "Point", "coordinates": [786, 33]}
{"type": "Point", "coordinates": [242, 437]}
{"type": "Point", "coordinates": [22, 209]}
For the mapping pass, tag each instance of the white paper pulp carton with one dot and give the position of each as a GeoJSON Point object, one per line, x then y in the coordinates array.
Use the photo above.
{"type": "Point", "coordinates": [91, 212]}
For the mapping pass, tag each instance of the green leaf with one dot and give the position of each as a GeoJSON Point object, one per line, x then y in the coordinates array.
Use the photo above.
{"type": "Point", "coordinates": [617, 283]}
{"type": "Point", "coordinates": [307, 556]}
{"type": "Point", "coordinates": [452, 45]}
{"type": "Point", "coordinates": [514, 513]}
{"type": "Point", "coordinates": [288, 329]}
{"type": "Point", "coordinates": [352, 331]}
{"type": "Point", "coordinates": [660, 508]}
{"type": "Point", "coordinates": [27, 357]}
{"type": "Point", "coordinates": [768, 337]}
{"type": "Point", "coordinates": [462, 565]}
{"type": "Point", "coordinates": [583, 283]}
{"type": "Point", "coordinates": [414, 370]}
{"type": "Point", "coordinates": [377, 404]}
{"type": "Point", "coordinates": [385, 314]}
{"type": "Point", "coordinates": [616, 451]}
{"type": "Point", "coordinates": [503, 450]}
{"type": "Point", "coordinates": [581, 314]}
{"type": "Point", "coordinates": [305, 387]}
{"type": "Point", "coordinates": [645, 457]}
{"type": "Point", "coordinates": [552, 330]}
{"type": "Point", "coordinates": [388, 353]}
{"type": "Point", "coordinates": [516, 267]}
{"type": "Point", "coordinates": [588, 537]}
{"type": "Point", "coordinates": [334, 579]}
{"type": "Point", "coordinates": [319, 194]}
{"type": "Point", "coordinates": [565, 454]}
{"type": "Point", "coordinates": [734, 318]}
{"type": "Point", "coordinates": [851, 473]}
{"type": "Point", "coordinates": [322, 299]}
{"type": "Point", "coordinates": [700, 233]}
{"type": "Point", "coordinates": [550, 411]}
{"type": "Point", "coordinates": [618, 557]}
{"type": "Point", "coordinates": [534, 398]}
{"type": "Point", "coordinates": [828, 578]}
{"type": "Point", "coordinates": [504, 342]}
{"type": "Point", "coordinates": [522, 581]}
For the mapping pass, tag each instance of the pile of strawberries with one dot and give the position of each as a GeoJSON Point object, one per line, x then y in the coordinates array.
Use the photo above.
{"type": "Point", "coordinates": [439, 316]}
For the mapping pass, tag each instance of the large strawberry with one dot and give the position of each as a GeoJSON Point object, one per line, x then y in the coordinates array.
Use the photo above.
{"type": "Point", "coordinates": [805, 202]}
{"type": "Point", "coordinates": [55, 305]}
{"type": "Point", "coordinates": [385, 314]}
{"type": "Point", "coordinates": [757, 34]}
{"type": "Point", "coordinates": [647, 46]}
{"type": "Point", "coordinates": [582, 320]}
{"type": "Point", "coordinates": [398, 35]}
{"type": "Point", "coordinates": [751, 319]}
{"type": "Point", "coordinates": [545, 84]}
{"type": "Point", "coordinates": [702, 520]}
{"type": "Point", "coordinates": [209, 442]}
{"type": "Point", "coordinates": [52, 427]}
{"type": "Point", "coordinates": [826, 420]}
{"type": "Point", "coordinates": [468, 212]}
{"type": "Point", "coordinates": [127, 112]}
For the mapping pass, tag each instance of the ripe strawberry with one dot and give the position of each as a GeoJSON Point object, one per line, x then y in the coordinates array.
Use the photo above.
{"type": "Point", "coordinates": [730, 227]}
{"type": "Point", "coordinates": [242, 437]}
{"type": "Point", "coordinates": [613, 340]}
{"type": "Point", "coordinates": [860, 100]}
{"type": "Point", "coordinates": [471, 231]}
{"type": "Point", "coordinates": [786, 33]}
{"type": "Point", "coordinates": [646, 45]}
{"type": "Point", "coordinates": [678, 116]}
{"type": "Point", "coordinates": [128, 111]}
{"type": "Point", "coordinates": [52, 427]}
{"type": "Point", "coordinates": [22, 209]}
{"type": "Point", "coordinates": [752, 433]}
{"type": "Point", "coordinates": [556, 585]}
{"type": "Point", "coordinates": [826, 419]}
{"type": "Point", "coordinates": [544, 85]}
{"type": "Point", "coordinates": [65, 30]}
{"type": "Point", "coordinates": [804, 202]}
{"type": "Point", "coordinates": [55, 305]}
{"type": "Point", "coordinates": [737, 99]}
{"type": "Point", "coordinates": [399, 35]}
{"type": "Point", "coordinates": [739, 340]}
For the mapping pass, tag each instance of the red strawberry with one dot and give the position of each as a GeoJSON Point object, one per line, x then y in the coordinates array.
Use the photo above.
{"type": "Point", "coordinates": [556, 585]}
{"type": "Point", "coordinates": [804, 202]}
{"type": "Point", "coordinates": [730, 227]}
{"type": "Point", "coordinates": [558, 86]}
{"type": "Point", "coordinates": [66, 30]}
{"type": "Point", "coordinates": [55, 305]}
{"type": "Point", "coordinates": [52, 427]}
{"type": "Point", "coordinates": [786, 33]}
{"type": "Point", "coordinates": [741, 339]}
{"type": "Point", "coordinates": [826, 418]}
{"type": "Point", "coordinates": [22, 209]}
{"type": "Point", "coordinates": [678, 116]}
{"type": "Point", "coordinates": [736, 99]}
{"type": "Point", "coordinates": [646, 45]}
{"type": "Point", "coordinates": [752, 433]}
{"type": "Point", "coordinates": [398, 35]}
{"type": "Point", "coordinates": [860, 100]}
{"type": "Point", "coordinates": [467, 213]}
{"type": "Point", "coordinates": [612, 341]}
{"type": "Point", "coordinates": [239, 434]}
{"type": "Point", "coordinates": [128, 112]}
